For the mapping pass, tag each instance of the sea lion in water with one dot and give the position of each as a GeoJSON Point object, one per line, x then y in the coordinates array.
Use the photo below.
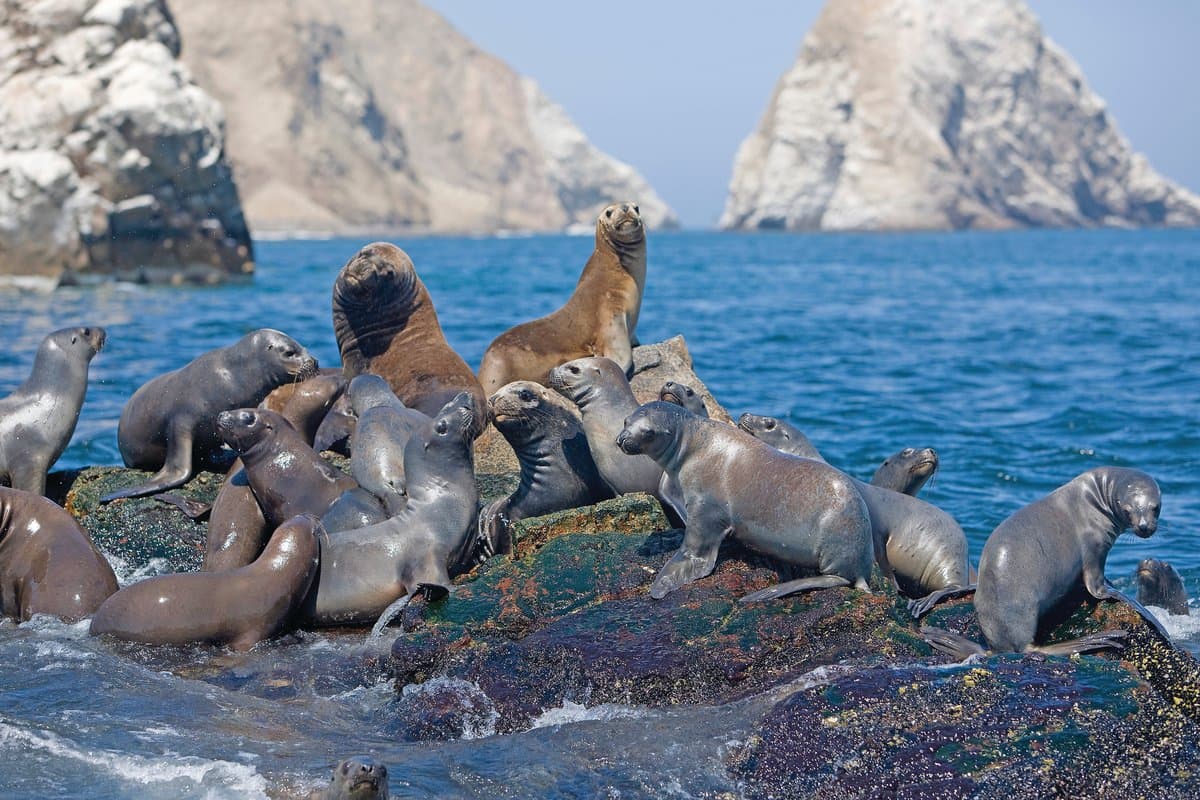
{"type": "Point", "coordinates": [366, 570]}
{"type": "Point", "coordinates": [1158, 584]}
{"type": "Point", "coordinates": [807, 515]}
{"type": "Point", "coordinates": [357, 778]}
{"type": "Point", "coordinates": [683, 395]}
{"type": "Point", "coordinates": [386, 325]}
{"type": "Point", "coordinates": [384, 427]}
{"type": "Point", "coordinates": [237, 529]}
{"type": "Point", "coordinates": [601, 391]}
{"type": "Point", "coordinates": [783, 436]}
{"type": "Point", "coordinates": [170, 423]}
{"type": "Point", "coordinates": [907, 471]}
{"type": "Point", "coordinates": [599, 319]}
{"type": "Point", "coordinates": [238, 607]}
{"type": "Point", "coordinates": [48, 564]}
{"type": "Point", "coordinates": [38, 419]}
{"type": "Point", "coordinates": [1043, 559]}
{"type": "Point", "coordinates": [557, 470]}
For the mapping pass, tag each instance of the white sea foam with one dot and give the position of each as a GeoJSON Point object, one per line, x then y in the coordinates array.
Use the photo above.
{"type": "Point", "coordinates": [570, 712]}
{"type": "Point", "coordinates": [127, 574]}
{"type": "Point", "coordinates": [213, 778]}
{"type": "Point", "coordinates": [479, 714]}
{"type": "Point", "coordinates": [1179, 626]}
{"type": "Point", "coordinates": [60, 655]}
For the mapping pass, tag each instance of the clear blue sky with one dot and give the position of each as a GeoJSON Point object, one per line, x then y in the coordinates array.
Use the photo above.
{"type": "Point", "coordinates": [673, 87]}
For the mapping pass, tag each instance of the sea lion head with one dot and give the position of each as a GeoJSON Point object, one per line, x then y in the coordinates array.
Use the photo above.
{"type": "Point", "coordinates": [517, 406]}
{"type": "Point", "coordinates": [283, 353]}
{"type": "Point", "coordinates": [243, 428]}
{"type": "Point", "coordinates": [653, 429]}
{"type": "Point", "coordinates": [621, 225]}
{"type": "Point", "coordinates": [370, 391]}
{"type": "Point", "coordinates": [912, 466]}
{"type": "Point", "coordinates": [358, 778]}
{"type": "Point", "coordinates": [454, 426]}
{"type": "Point", "coordinates": [1159, 584]}
{"type": "Point", "coordinates": [767, 429]}
{"type": "Point", "coordinates": [1137, 501]}
{"type": "Point", "coordinates": [682, 395]}
{"type": "Point", "coordinates": [576, 380]}
{"type": "Point", "coordinates": [84, 342]}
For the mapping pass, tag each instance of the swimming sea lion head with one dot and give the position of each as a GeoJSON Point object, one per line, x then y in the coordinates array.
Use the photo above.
{"type": "Point", "coordinates": [359, 778]}
{"type": "Point", "coordinates": [653, 429]}
{"type": "Point", "coordinates": [621, 224]}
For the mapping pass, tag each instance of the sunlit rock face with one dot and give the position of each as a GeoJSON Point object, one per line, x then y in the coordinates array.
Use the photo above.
{"type": "Point", "coordinates": [378, 116]}
{"type": "Point", "coordinates": [112, 159]}
{"type": "Point", "coordinates": [919, 114]}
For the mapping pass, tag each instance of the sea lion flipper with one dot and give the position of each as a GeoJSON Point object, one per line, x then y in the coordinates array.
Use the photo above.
{"type": "Point", "coordinates": [495, 530]}
{"type": "Point", "coordinates": [794, 587]}
{"type": "Point", "coordinates": [28, 473]}
{"type": "Point", "coordinates": [923, 605]}
{"type": "Point", "coordinates": [959, 647]}
{"type": "Point", "coordinates": [682, 569]}
{"type": "Point", "coordinates": [1105, 640]}
{"type": "Point", "coordinates": [670, 495]}
{"type": "Point", "coordinates": [175, 470]}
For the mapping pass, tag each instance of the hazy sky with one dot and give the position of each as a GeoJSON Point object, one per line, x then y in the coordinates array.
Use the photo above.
{"type": "Point", "coordinates": [673, 87]}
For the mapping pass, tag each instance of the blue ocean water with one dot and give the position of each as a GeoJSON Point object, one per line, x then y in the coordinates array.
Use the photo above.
{"type": "Point", "coordinates": [1023, 358]}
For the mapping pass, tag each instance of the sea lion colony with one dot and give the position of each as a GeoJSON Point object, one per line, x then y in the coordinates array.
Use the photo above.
{"type": "Point", "coordinates": [293, 541]}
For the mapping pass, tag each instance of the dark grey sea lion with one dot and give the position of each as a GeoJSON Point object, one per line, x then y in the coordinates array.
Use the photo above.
{"type": "Point", "coordinates": [357, 778]}
{"type": "Point", "coordinates": [384, 427]}
{"type": "Point", "coordinates": [600, 318]}
{"type": "Point", "coordinates": [683, 395]}
{"type": "Point", "coordinates": [907, 471]}
{"type": "Point", "coordinates": [557, 470]}
{"type": "Point", "coordinates": [1159, 585]}
{"type": "Point", "coordinates": [170, 423]}
{"type": "Point", "coordinates": [386, 325]}
{"type": "Point", "coordinates": [238, 607]}
{"type": "Point", "coordinates": [1047, 556]}
{"type": "Point", "coordinates": [336, 429]}
{"type": "Point", "coordinates": [807, 514]}
{"type": "Point", "coordinates": [781, 435]}
{"type": "Point", "coordinates": [48, 565]}
{"type": "Point", "coordinates": [38, 419]}
{"type": "Point", "coordinates": [365, 571]}
{"type": "Point", "coordinates": [601, 391]}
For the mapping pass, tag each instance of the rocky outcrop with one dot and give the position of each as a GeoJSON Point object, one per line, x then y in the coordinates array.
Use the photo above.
{"type": "Point", "coordinates": [111, 159]}
{"type": "Point", "coordinates": [376, 116]}
{"type": "Point", "coordinates": [918, 114]}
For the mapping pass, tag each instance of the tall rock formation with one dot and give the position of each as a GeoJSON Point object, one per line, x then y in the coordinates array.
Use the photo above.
{"type": "Point", "coordinates": [924, 114]}
{"type": "Point", "coordinates": [377, 115]}
{"type": "Point", "coordinates": [111, 159]}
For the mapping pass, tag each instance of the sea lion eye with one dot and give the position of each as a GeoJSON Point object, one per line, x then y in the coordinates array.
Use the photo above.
{"type": "Point", "coordinates": [908, 451]}
{"type": "Point", "coordinates": [637, 210]}
{"type": "Point", "coordinates": [608, 213]}
{"type": "Point", "coordinates": [769, 425]}
{"type": "Point", "coordinates": [441, 426]}
{"type": "Point", "coordinates": [525, 395]}
{"type": "Point", "coordinates": [74, 339]}
{"type": "Point", "coordinates": [573, 369]}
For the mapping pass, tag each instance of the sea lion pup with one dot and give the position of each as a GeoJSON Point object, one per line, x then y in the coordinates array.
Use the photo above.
{"type": "Point", "coordinates": [600, 318]}
{"type": "Point", "coordinates": [683, 395]}
{"type": "Point", "coordinates": [238, 607]}
{"type": "Point", "coordinates": [237, 529]}
{"type": "Point", "coordinates": [170, 422]}
{"type": "Point", "coordinates": [38, 419]}
{"type": "Point", "coordinates": [783, 436]}
{"type": "Point", "coordinates": [48, 564]}
{"type": "Point", "coordinates": [807, 514]}
{"type": "Point", "coordinates": [384, 427]}
{"type": "Point", "coordinates": [357, 778]}
{"type": "Point", "coordinates": [906, 472]}
{"type": "Point", "coordinates": [557, 470]}
{"type": "Point", "coordinates": [286, 475]}
{"type": "Point", "coordinates": [601, 391]}
{"type": "Point", "coordinates": [336, 429]}
{"type": "Point", "coordinates": [1158, 584]}
{"type": "Point", "coordinates": [1043, 559]}
{"type": "Point", "coordinates": [367, 570]}
{"type": "Point", "coordinates": [386, 325]}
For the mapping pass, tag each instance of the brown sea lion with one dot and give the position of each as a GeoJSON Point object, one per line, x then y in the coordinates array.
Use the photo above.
{"type": "Point", "coordinates": [386, 325]}
{"type": "Point", "coordinates": [169, 424]}
{"type": "Point", "coordinates": [600, 318]}
{"type": "Point", "coordinates": [48, 564]}
{"type": "Point", "coordinates": [238, 607]}
{"type": "Point", "coordinates": [38, 419]}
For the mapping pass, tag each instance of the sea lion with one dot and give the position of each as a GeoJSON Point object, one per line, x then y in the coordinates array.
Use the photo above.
{"type": "Point", "coordinates": [386, 325]}
{"type": "Point", "coordinates": [1158, 584]}
{"type": "Point", "coordinates": [807, 515]}
{"type": "Point", "coordinates": [337, 428]}
{"type": "Point", "coordinates": [237, 529]}
{"type": "Point", "coordinates": [384, 427]}
{"type": "Point", "coordinates": [1041, 561]}
{"type": "Point", "coordinates": [599, 319]}
{"type": "Point", "coordinates": [366, 570]}
{"type": "Point", "coordinates": [357, 778]}
{"type": "Point", "coordinates": [38, 419]}
{"type": "Point", "coordinates": [557, 470]}
{"type": "Point", "coordinates": [782, 435]}
{"type": "Point", "coordinates": [48, 564]}
{"type": "Point", "coordinates": [683, 395]}
{"type": "Point", "coordinates": [238, 607]}
{"type": "Point", "coordinates": [286, 475]}
{"type": "Point", "coordinates": [907, 471]}
{"type": "Point", "coordinates": [170, 422]}
{"type": "Point", "coordinates": [601, 391]}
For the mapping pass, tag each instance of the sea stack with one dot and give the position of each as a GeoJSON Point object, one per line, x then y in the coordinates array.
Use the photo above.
{"type": "Point", "coordinates": [920, 114]}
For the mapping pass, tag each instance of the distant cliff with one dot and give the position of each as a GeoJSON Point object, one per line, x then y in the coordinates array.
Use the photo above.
{"type": "Point", "coordinates": [918, 114]}
{"type": "Point", "coordinates": [111, 159]}
{"type": "Point", "coordinates": [378, 115]}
